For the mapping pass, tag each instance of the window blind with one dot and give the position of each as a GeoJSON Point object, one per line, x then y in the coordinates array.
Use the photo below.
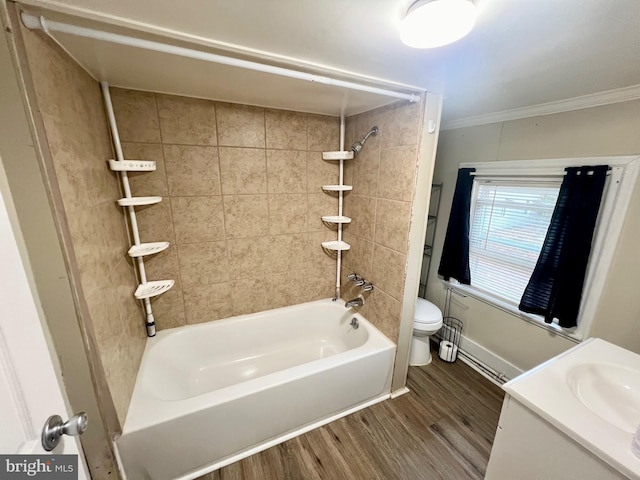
{"type": "Point", "coordinates": [509, 222]}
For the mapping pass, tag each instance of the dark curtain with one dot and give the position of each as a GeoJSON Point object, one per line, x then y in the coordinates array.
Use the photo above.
{"type": "Point", "coordinates": [454, 262]}
{"type": "Point", "coordinates": [555, 287]}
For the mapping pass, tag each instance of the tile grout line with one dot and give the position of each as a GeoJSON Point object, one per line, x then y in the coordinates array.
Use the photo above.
{"type": "Point", "coordinates": [170, 207]}
{"type": "Point", "coordinates": [225, 236]}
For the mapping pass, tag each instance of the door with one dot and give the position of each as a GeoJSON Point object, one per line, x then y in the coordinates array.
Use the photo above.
{"type": "Point", "coordinates": [30, 391]}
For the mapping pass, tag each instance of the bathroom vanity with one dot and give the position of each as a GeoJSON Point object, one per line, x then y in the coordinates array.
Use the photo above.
{"type": "Point", "coordinates": [572, 417]}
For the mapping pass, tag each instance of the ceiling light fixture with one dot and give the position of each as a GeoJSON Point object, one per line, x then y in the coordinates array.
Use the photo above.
{"type": "Point", "coordinates": [433, 23]}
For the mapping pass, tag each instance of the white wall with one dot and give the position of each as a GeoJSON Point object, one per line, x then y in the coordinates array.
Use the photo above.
{"type": "Point", "coordinates": [606, 130]}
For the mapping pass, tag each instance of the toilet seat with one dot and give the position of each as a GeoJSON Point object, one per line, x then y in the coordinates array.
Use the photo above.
{"type": "Point", "coordinates": [428, 317]}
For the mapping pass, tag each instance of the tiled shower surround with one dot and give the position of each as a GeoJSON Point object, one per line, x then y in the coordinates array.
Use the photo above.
{"type": "Point", "coordinates": [383, 178]}
{"type": "Point", "coordinates": [242, 206]}
{"type": "Point", "coordinates": [77, 136]}
{"type": "Point", "coordinates": [242, 202]}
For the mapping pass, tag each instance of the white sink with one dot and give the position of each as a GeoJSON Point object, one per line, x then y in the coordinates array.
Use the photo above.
{"type": "Point", "coordinates": [610, 391]}
{"type": "Point", "coordinates": [591, 393]}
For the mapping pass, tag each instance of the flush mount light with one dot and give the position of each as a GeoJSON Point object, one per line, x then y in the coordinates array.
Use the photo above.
{"type": "Point", "coordinates": [433, 23]}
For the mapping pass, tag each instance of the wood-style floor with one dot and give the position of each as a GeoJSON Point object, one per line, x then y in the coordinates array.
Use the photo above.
{"type": "Point", "coordinates": [442, 429]}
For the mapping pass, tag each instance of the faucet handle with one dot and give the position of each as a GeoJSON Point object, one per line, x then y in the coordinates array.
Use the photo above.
{"type": "Point", "coordinates": [353, 277]}
{"type": "Point", "coordinates": [360, 282]}
{"type": "Point", "coordinates": [367, 287]}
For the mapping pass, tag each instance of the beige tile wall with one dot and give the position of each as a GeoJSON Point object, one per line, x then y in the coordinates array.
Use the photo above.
{"type": "Point", "coordinates": [383, 179]}
{"type": "Point", "coordinates": [242, 203]}
{"type": "Point", "coordinates": [70, 104]}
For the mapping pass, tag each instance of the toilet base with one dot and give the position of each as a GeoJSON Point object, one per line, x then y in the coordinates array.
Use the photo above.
{"type": "Point", "coordinates": [420, 353]}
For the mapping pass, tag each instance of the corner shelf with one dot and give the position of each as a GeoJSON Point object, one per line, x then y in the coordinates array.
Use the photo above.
{"type": "Point", "coordinates": [138, 201]}
{"type": "Point", "coordinates": [341, 155]}
{"type": "Point", "coordinates": [336, 219]}
{"type": "Point", "coordinates": [337, 188]}
{"type": "Point", "coordinates": [145, 249]}
{"type": "Point", "coordinates": [336, 245]}
{"type": "Point", "coordinates": [339, 219]}
{"type": "Point", "coordinates": [132, 165]}
{"type": "Point", "coordinates": [152, 289]}
{"type": "Point", "coordinates": [138, 250]}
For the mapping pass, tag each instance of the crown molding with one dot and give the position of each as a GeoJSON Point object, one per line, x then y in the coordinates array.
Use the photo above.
{"type": "Point", "coordinates": [608, 97]}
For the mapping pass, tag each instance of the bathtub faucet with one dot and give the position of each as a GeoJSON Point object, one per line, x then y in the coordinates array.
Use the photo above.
{"type": "Point", "coordinates": [356, 302]}
{"type": "Point", "coordinates": [367, 287]}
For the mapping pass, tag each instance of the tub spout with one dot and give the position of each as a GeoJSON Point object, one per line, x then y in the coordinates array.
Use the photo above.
{"type": "Point", "coordinates": [356, 302]}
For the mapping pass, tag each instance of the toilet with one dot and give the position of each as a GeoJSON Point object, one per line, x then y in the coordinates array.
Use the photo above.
{"type": "Point", "coordinates": [427, 321]}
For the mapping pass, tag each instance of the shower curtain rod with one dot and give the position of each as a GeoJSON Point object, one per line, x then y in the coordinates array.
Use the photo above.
{"type": "Point", "coordinates": [34, 22]}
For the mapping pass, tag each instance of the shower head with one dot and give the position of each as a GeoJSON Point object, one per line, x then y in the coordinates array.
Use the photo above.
{"type": "Point", "coordinates": [356, 147]}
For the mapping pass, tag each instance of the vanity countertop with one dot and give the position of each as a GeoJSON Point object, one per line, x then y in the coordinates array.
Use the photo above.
{"type": "Point", "coordinates": [591, 393]}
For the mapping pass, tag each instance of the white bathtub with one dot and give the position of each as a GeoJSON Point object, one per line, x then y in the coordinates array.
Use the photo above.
{"type": "Point", "coordinates": [208, 395]}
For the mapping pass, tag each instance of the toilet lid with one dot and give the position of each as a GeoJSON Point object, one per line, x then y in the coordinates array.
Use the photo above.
{"type": "Point", "coordinates": [427, 312]}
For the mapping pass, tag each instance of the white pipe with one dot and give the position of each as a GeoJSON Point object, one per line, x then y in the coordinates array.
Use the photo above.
{"type": "Point", "coordinates": [340, 204]}
{"type": "Point", "coordinates": [341, 179]}
{"type": "Point", "coordinates": [120, 158]}
{"type": "Point", "coordinates": [40, 23]}
{"type": "Point", "coordinates": [151, 329]}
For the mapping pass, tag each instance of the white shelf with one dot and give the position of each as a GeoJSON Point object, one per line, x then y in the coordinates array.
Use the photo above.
{"type": "Point", "coordinates": [336, 245]}
{"type": "Point", "coordinates": [132, 165]}
{"type": "Point", "coordinates": [152, 289]}
{"type": "Point", "coordinates": [336, 219]}
{"type": "Point", "coordinates": [337, 188]}
{"type": "Point", "coordinates": [138, 201]}
{"type": "Point", "coordinates": [145, 249]}
{"type": "Point", "coordinates": [346, 155]}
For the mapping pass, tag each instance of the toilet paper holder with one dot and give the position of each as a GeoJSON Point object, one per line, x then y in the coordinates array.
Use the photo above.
{"type": "Point", "coordinates": [449, 337]}
{"type": "Point", "coordinates": [450, 333]}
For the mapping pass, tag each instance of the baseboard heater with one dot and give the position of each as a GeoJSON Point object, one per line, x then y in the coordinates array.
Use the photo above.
{"type": "Point", "coordinates": [499, 378]}
{"type": "Point", "coordinates": [484, 370]}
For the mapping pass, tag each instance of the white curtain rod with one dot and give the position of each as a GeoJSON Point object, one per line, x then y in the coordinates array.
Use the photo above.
{"type": "Point", "coordinates": [33, 22]}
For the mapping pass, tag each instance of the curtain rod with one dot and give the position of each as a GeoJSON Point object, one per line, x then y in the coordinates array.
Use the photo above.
{"type": "Point", "coordinates": [33, 22]}
{"type": "Point", "coordinates": [527, 173]}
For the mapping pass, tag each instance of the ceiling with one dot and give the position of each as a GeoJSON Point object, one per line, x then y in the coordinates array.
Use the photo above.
{"type": "Point", "coordinates": [521, 52]}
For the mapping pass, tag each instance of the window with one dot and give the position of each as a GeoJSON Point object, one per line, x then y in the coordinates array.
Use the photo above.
{"type": "Point", "coordinates": [509, 222]}
{"type": "Point", "coordinates": [507, 199]}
